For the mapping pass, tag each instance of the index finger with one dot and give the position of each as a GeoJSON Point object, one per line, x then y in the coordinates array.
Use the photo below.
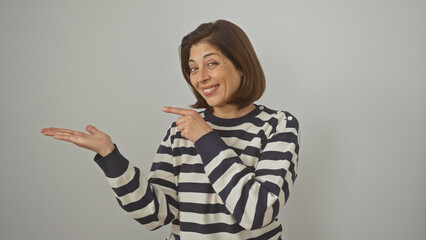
{"type": "Point", "coordinates": [178, 111]}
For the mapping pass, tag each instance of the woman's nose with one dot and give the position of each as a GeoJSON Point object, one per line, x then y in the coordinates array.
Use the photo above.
{"type": "Point", "coordinates": [202, 75]}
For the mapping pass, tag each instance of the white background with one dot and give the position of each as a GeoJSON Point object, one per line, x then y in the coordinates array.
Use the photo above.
{"type": "Point", "coordinates": [352, 72]}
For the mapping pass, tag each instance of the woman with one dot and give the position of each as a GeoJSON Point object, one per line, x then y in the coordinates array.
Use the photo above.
{"type": "Point", "coordinates": [222, 173]}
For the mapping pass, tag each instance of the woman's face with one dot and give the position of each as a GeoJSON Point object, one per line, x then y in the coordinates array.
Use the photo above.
{"type": "Point", "coordinates": [213, 75]}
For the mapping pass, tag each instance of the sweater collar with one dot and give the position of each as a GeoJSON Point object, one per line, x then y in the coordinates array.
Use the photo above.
{"type": "Point", "coordinates": [208, 116]}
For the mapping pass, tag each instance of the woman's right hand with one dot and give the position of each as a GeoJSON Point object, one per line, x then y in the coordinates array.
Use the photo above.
{"type": "Point", "coordinates": [96, 141]}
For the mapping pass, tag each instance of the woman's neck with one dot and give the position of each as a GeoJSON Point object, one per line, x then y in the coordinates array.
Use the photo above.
{"type": "Point", "coordinates": [231, 111]}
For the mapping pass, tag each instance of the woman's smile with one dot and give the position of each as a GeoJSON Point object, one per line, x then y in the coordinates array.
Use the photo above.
{"type": "Point", "coordinates": [210, 89]}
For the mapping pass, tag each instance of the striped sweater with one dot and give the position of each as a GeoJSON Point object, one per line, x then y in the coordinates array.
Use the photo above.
{"type": "Point", "coordinates": [230, 184]}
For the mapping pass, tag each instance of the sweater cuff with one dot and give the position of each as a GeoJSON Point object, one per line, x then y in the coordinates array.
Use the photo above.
{"type": "Point", "coordinates": [209, 146]}
{"type": "Point", "coordinates": [113, 164]}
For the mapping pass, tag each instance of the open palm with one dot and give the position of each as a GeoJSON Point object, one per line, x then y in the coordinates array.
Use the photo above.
{"type": "Point", "coordinates": [96, 140]}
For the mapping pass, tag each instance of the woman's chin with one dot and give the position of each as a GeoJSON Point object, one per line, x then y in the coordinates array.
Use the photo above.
{"type": "Point", "coordinates": [213, 103]}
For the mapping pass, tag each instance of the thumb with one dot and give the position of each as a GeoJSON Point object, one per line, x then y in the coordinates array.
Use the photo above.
{"type": "Point", "coordinates": [91, 129]}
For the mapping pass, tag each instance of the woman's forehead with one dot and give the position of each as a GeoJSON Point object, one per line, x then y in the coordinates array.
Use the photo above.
{"type": "Point", "coordinates": [202, 50]}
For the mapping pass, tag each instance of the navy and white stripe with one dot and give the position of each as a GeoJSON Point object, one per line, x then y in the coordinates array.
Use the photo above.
{"type": "Point", "coordinates": [231, 184]}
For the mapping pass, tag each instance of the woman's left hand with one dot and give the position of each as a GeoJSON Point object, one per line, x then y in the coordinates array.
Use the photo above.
{"type": "Point", "coordinates": [191, 125]}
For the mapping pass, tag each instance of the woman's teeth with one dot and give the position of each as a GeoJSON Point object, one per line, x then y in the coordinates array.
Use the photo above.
{"type": "Point", "coordinates": [208, 90]}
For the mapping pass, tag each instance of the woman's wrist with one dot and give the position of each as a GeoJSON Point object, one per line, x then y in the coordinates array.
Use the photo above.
{"type": "Point", "coordinates": [107, 150]}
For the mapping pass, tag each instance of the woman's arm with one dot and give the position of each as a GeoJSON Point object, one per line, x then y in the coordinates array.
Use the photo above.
{"type": "Point", "coordinates": [254, 197]}
{"type": "Point", "coordinates": [150, 202]}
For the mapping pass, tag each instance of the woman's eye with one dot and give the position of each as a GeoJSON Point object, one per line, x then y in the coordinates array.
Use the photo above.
{"type": "Point", "coordinates": [193, 69]}
{"type": "Point", "coordinates": [210, 64]}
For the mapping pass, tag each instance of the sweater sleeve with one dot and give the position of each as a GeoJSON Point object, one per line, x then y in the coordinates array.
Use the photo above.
{"type": "Point", "coordinates": [151, 202]}
{"type": "Point", "coordinates": [253, 196]}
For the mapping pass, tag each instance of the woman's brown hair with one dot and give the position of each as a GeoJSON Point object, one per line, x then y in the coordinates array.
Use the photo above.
{"type": "Point", "coordinates": [235, 45]}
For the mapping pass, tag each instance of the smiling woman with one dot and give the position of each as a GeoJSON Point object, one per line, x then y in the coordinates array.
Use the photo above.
{"type": "Point", "coordinates": [221, 173]}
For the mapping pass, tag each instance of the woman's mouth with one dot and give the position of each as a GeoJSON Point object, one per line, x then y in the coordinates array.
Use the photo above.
{"type": "Point", "coordinates": [210, 89]}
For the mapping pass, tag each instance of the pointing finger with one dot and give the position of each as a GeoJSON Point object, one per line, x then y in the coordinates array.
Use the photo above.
{"type": "Point", "coordinates": [178, 111]}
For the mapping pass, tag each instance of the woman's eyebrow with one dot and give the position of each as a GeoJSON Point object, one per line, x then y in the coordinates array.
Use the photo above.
{"type": "Point", "coordinates": [207, 55]}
